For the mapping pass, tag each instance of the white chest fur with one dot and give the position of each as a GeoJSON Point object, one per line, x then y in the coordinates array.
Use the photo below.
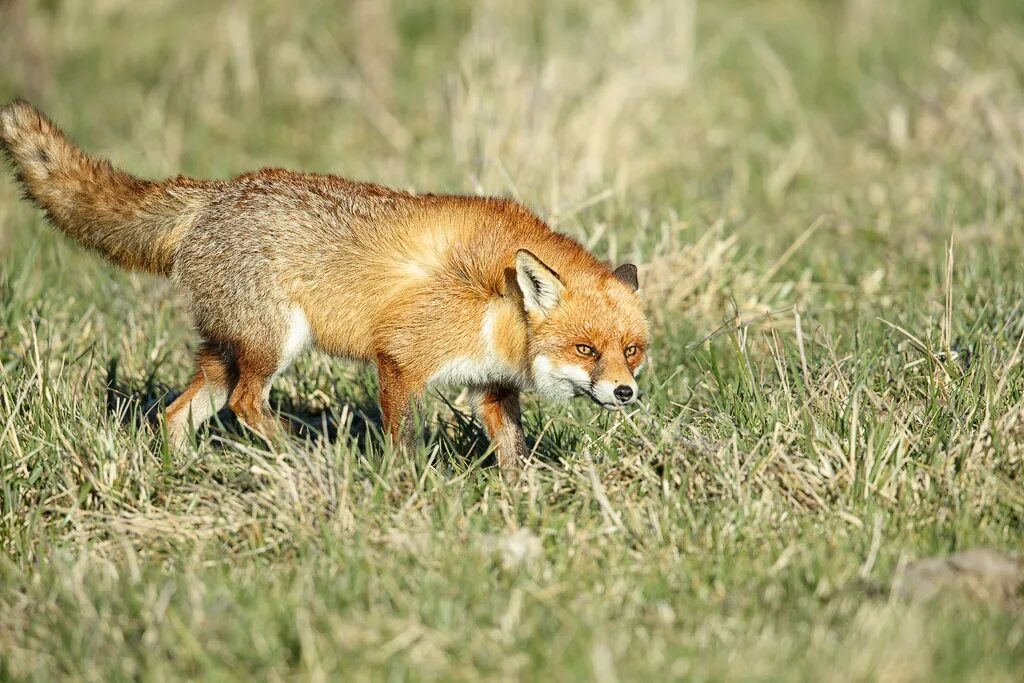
{"type": "Point", "coordinates": [484, 365]}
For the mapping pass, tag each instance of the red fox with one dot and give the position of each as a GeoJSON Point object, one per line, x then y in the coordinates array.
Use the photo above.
{"type": "Point", "coordinates": [433, 289]}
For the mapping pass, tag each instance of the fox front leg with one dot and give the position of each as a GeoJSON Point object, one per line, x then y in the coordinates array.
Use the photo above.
{"type": "Point", "coordinates": [398, 396]}
{"type": "Point", "coordinates": [498, 409]}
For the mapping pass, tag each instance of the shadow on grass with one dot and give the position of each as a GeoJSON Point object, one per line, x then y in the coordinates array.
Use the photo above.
{"type": "Point", "coordinates": [461, 439]}
{"type": "Point", "coordinates": [141, 404]}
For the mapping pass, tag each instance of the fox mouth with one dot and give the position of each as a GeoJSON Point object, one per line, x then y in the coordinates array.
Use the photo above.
{"type": "Point", "coordinates": [589, 393]}
{"type": "Point", "coordinates": [605, 404]}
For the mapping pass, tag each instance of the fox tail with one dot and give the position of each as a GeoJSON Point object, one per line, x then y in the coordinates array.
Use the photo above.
{"type": "Point", "coordinates": [134, 223]}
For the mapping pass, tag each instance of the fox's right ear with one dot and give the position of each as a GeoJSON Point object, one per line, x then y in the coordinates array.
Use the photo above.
{"type": "Point", "coordinates": [541, 286]}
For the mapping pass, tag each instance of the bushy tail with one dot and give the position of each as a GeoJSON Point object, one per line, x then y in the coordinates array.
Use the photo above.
{"type": "Point", "coordinates": [134, 223]}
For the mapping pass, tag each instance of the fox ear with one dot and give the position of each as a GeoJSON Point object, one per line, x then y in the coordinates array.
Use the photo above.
{"type": "Point", "coordinates": [541, 287]}
{"type": "Point", "coordinates": [627, 273]}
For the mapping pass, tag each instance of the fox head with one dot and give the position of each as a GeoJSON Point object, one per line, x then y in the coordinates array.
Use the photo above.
{"type": "Point", "coordinates": [587, 337]}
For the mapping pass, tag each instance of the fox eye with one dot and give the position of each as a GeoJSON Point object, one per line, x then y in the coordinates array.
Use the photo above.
{"type": "Point", "coordinates": [630, 351]}
{"type": "Point", "coordinates": [586, 350]}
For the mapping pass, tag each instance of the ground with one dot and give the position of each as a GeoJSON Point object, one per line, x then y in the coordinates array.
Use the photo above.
{"type": "Point", "coordinates": [824, 200]}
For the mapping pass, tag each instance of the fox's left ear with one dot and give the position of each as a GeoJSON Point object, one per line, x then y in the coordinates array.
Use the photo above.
{"type": "Point", "coordinates": [627, 273]}
{"type": "Point", "coordinates": [541, 286]}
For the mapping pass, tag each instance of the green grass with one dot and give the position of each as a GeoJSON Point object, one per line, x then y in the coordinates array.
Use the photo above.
{"type": "Point", "coordinates": [833, 187]}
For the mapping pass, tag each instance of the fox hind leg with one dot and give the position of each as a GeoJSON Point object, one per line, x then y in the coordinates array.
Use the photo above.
{"type": "Point", "coordinates": [250, 398]}
{"type": "Point", "coordinates": [214, 380]}
{"type": "Point", "coordinates": [258, 365]}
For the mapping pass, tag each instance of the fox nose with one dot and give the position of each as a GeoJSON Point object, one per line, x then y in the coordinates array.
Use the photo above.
{"type": "Point", "coordinates": [623, 393]}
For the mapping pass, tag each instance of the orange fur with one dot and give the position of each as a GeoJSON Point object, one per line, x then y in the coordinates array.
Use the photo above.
{"type": "Point", "coordinates": [134, 223]}
{"type": "Point", "coordinates": [430, 288]}
{"type": "Point", "coordinates": [498, 408]}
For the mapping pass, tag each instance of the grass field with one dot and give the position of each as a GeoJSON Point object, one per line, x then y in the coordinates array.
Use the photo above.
{"type": "Point", "coordinates": [824, 199]}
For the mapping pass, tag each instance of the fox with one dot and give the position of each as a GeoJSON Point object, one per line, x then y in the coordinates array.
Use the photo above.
{"type": "Point", "coordinates": [433, 289]}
